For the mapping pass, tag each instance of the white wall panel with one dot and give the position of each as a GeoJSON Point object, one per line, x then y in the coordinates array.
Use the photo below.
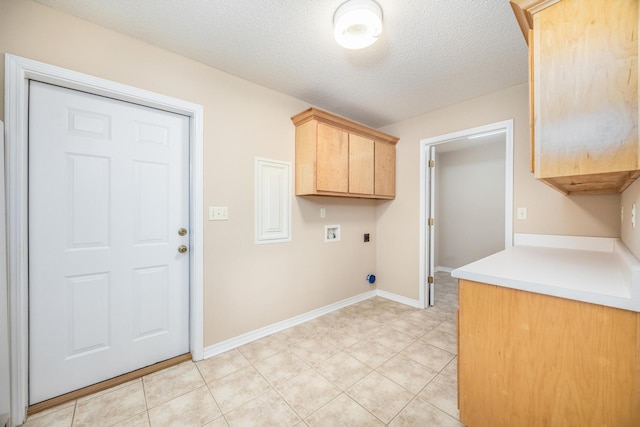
{"type": "Point", "coordinates": [273, 201]}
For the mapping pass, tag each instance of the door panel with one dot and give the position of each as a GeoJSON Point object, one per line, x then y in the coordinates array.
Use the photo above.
{"type": "Point", "coordinates": [89, 202]}
{"type": "Point", "coordinates": [88, 313]}
{"type": "Point", "coordinates": [108, 191]}
{"type": "Point", "coordinates": [151, 291]}
{"type": "Point", "coordinates": [151, 213]}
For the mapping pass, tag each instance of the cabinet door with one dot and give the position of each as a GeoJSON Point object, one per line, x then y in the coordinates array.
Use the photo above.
{"type": "Point", "coordinates": [332, 168]}
{"type": "Point", "coordinates": [360, 165]}
{"type": "Point", "coordinates": [569, 363]}
{"type": "Point", "coordinates": [586, 87]}
{"type": "Point", "coordinates": [385, 169]}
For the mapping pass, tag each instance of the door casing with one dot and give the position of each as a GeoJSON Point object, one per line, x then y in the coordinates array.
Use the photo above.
{"type": "Point", "coordinates": [18, 72]}
{"type": "Point", "coordinates": [425, 146]}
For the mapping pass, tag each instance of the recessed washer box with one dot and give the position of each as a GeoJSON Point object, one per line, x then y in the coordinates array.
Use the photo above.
{"type": "Point", "coordinates": [331, 233]}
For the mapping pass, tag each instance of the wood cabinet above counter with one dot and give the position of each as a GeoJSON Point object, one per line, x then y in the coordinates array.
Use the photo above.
{"type": "Point", "coordinates": [584, 92]}
{"type": "Point", "coordinates": [338, 157]}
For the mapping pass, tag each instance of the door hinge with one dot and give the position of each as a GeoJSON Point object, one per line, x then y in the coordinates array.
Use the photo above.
{"type": "Point", "coordinates": [430, 279]}
{"type": "Point", "coordinates": [432, 163]}
{"type": "Point", "coordinates": [431, 221]}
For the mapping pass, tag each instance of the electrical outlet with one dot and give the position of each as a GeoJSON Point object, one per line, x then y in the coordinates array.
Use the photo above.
{"type": "Point", "coordinates": [366, 237]}
{"type": "Point", "coordinates": [633, 215]}
{"type": "Point", "coordinates": [522, 213]}
{"type": "Point", "coordinates": [323, 212]}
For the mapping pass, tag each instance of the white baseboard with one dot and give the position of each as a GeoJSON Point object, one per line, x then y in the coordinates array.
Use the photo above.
{"type": "Point", "coordinates": [445, 269]}
{"type": "Point", "coordinates": [398, 298]}
{"type": "Point", "coordinates": [243, 339]}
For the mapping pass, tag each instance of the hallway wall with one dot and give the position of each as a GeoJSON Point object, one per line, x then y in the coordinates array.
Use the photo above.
{"type": "Point", "coordinates": [469, 204]}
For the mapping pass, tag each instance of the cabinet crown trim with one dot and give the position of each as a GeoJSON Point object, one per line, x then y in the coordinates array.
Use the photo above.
{"type": "Point", "coordinates": [343, 123]}
{"type": "Point", "coordinates": [524, 11]}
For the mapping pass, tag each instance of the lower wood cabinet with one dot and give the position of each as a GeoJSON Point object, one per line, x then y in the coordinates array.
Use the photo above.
{"type": "Point", "coordinates": [527, 359]}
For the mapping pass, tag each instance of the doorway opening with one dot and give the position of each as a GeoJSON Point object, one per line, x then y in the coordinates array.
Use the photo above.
{"type": "Point", "coordinates": [466, 199]}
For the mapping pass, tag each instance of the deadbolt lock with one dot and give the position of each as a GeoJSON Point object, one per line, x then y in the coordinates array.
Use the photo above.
{"type": "Point", "coordinates": [182, 249]}
{"type": "Point", "coordinates": [182, 232]}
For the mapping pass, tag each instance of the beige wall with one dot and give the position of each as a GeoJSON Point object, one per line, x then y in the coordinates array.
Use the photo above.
{"type": "Point", "coordinates": [470, 190]}
{"type": "Point", "coordinates": [549, 212]}
{"type": "Point", "coordinates": [246, 286]}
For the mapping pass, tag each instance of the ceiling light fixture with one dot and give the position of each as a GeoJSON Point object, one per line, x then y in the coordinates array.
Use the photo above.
{"type": "Point", "coordinates": [357, 23]}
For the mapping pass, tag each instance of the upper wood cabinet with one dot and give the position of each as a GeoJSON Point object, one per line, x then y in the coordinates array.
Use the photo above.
{"type": "Point", "coordinates": [584, 92]}
{"type": "Point", "coordinates": [338, 157]}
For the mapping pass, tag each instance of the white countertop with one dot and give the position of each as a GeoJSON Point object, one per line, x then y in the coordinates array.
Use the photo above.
{"type": "Point", "coordinates": [595, 270]}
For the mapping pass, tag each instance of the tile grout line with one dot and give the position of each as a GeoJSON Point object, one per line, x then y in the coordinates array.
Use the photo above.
{"type": "Point", "coordinates": [272, 387]}
{"type": "Point", "coordinates": [206, 385]}
{"type": "Point", "coordinates": [395, 353]}
{"type": "Point", "coordinates": [75, 407]}
{"type": "Point", "coordinates": [146, 402]}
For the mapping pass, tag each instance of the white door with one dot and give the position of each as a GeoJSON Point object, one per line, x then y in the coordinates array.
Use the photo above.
{"type": "Point", "coordinates": [108, 193]}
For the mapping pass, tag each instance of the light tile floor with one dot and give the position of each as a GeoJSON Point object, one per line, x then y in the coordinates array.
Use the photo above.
{"type": "Point", "coordinates": [373, 363]}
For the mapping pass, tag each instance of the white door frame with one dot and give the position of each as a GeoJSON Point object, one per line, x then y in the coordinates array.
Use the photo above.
{"type": "Point", "coordinates": [18, 72]}
{"type": "Point", "coordinates": [425, 144]}
{"type": "Point", "coordinates": [430, 286]}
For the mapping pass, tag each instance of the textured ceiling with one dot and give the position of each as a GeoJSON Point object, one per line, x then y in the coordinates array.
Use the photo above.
{"type": "Point", "coordinates": [432, 53]}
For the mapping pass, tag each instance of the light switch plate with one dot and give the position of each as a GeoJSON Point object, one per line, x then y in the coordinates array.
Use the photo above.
{"type": "Point", "coordinates": [218, 213]}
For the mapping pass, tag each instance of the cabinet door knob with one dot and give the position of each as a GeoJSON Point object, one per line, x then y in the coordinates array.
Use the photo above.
{"type": "Point", "coordinates": [182, 249]}
{"type": "Point", "coordinates": [182, 232]}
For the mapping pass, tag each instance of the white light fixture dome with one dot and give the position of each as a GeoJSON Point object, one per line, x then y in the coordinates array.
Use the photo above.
{"type": "Point", "coordinates": [357, 23]}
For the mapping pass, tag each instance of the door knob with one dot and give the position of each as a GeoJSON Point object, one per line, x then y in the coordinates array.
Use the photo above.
{"type": "Point", "coordinates": [182, 232]}
{"type": "Point", "coordinates": [182, 249]}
